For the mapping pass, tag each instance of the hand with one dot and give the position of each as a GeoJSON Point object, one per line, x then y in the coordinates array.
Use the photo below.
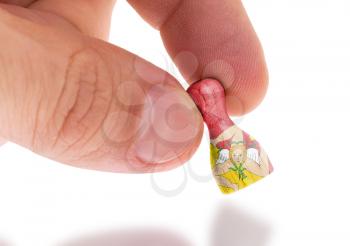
{"type": "Point", "coordinates": [224, 155]}
{"type": "Point", "coordinates": [253, 154]}
{"type": "Point", "coordinates": [69, 95]}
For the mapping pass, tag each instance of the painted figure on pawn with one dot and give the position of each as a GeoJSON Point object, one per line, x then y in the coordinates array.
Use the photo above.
{"type": "Point", "coordinates": [237, 159]}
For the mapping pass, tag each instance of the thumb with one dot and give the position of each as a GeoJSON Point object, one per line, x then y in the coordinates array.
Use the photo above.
{"type": "Point", "coordinates": [84, 102]}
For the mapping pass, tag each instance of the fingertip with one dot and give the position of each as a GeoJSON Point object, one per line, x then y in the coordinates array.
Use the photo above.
{"type": "Point", "coordinates": [177, 156]}
{"type": "Point", "coordinates": [174, 130]}
{"type": "Point", "coordinates": [248, 94]}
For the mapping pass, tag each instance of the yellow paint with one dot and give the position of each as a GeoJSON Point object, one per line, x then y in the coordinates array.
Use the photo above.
{"type": "Point", "coordinates": [231, 175]}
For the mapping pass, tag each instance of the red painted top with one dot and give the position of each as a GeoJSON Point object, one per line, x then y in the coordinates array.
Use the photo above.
{"type": "Point", "coordinates": [209, 96]}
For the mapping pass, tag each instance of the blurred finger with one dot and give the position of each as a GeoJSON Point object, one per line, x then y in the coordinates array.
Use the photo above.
{"type": "Point", "coordinates": [92, 17]}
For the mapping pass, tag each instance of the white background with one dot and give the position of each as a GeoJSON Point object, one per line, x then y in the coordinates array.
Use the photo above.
{"type": "Point", "coordinates": [303, 124]}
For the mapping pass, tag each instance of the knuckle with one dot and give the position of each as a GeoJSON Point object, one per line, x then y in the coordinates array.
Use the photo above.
{"type": "Point", "coordinates": [83, 103]}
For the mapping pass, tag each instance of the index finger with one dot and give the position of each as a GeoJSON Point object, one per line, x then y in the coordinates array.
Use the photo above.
{"type": "Point", "coordinates": [212, 39]}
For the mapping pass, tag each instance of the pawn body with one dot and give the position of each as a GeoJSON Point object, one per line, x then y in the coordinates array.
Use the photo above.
{"type": "Point", "coordinates": [237, 159]}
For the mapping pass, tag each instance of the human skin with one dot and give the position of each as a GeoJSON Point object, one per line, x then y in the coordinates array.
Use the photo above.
{"type": "Point", "coordinates": [69, 95]}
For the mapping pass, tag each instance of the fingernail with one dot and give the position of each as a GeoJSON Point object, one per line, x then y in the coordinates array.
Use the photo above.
{"type": "Point", "coordinates": [173, 124]}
